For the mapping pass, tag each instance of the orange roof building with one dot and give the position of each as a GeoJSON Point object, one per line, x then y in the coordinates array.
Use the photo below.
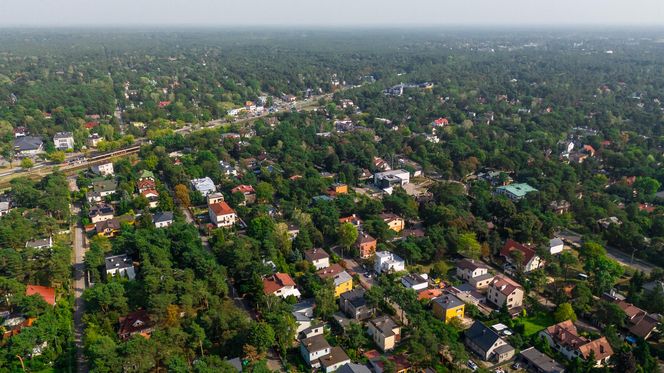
{"type": "Point", "coordinates": [47, 293]}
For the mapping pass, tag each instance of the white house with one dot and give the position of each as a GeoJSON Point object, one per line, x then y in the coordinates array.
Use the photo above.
{"type": "Point", "coordinates": [318, 258]}
{"type": "Point", "coordinates": [101, 212]}
{"type": "Point", "coordinates": [565, 338]}
{"type": "Point", "coordinates": [475, 272]}
{"type": "Point", "coordinates": [120, 265]}
{"type": "Point", "coordinates": [4, 208]}
{"type": "Point", "coordinates": [64, 140]}
{"type": "Point", "coordinates": [391, 178]}
{"type": "Point", "coordinates": [388, 262]}
{"type": "Point", "coordinates": [103, 169]}
{"type": "Point", "coordinates": [222, 215]}
{"type": "Point", "coordinates": [556, 246]}
{"type": "Point", "coordinates": [280, 285]}
{"type": "Point", "coordinates": [314, 348]}
{"type": "Point", "coordinates": [163, 219]}
{"type": "Point", "coordinates": [415, 281]}
{"type": "Point", "coordinates": [204, 185]}
{"type": "Point", "coordinates": [28, 146]}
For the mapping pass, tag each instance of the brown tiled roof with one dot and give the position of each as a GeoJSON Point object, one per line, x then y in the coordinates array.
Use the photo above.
{"type": "Point", "coordinates": [365, 238]}
{"type": "Point", "coordinates": [470, 264]}
{"type": "Point", "coordinates": [504, 284]}
{"type": "Point", "coordinates": [277, 281]}
{"type": "Point", "coordinates": [135, 322]}
{"type": "Point", "coordinates": [316, 254]}
{"type": "Point", "coordinates": [511, 245]}
{"type": "Point", "coordinates": [565, 334]}
{"type": "Point", "coordinates": [221, 208]}
{"type": "Point", "coordinates": [330, 271]}
{"type": "Point", "coordinates": [600, 347]}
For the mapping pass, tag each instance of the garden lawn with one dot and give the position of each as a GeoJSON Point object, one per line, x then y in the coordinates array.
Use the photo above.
{"type": "Point", "coordinates": [534, 324]}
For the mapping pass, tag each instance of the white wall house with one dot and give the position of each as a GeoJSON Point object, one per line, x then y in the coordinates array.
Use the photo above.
{"type": "Point", "coordinates": [388, 262]}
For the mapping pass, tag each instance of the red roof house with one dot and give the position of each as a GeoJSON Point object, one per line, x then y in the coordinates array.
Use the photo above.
{"type": "Point", "coordinates": [47, 293]}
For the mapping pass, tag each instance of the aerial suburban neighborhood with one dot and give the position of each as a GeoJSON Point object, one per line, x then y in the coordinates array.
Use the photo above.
{"type": "Point", "coordinates": [203, 201]}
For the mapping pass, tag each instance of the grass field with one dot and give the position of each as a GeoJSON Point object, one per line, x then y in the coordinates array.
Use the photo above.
{"type": "Point", "coordinates": [533, 324]}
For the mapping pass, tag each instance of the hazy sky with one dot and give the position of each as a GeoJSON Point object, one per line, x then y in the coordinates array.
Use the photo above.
{"type": "Point", "coordinates": [330, 12]}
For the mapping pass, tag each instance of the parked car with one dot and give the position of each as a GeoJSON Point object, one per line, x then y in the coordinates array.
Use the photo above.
{"type": "Point", "coordinates": [471, 364]}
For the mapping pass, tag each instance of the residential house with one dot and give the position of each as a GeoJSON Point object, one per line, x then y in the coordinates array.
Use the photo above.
{"type": "Point", "coordinates": [334, 360]}
{"type": "Point", "coordinates": [120, 265]}
{"type": "Point", "coordinates": [339, 188]}
{"type": "Point", "coordinates": [111, 227]}
{"type": "Point", "coordinates": [535, 361]}
{"type": "Point", "coordinates": [222, 215]}
{"type": "Point", "coordinates": [415, 281]}
{"type": "Point", "coordinates": [530, 261]}
{"type": "Point", "coordinates": [354, 305]}
{"type": "Point", "coordinates": [28, 146]}
{"type": "Point", "coordinates": [343, 282]}
{"type": "Point", "coordinates": [448, 307]}
{"type": "Point", "coordinates": [248, 192]}
{"type": "Point", "coordinates": [353, 368]}
{"type": "Point", "coordinates": [366, 245]}
{"type": "Point", "coordinates": [391, 178]}
{"type": "Point", "coordinates": [43, 243]}
{"type": "Point", "coordinates": [303, 312]}
{"type": "Point", "coordinates": [319, 258]}
{"type": "Point", "coordinates": [312, 349]}
{"type": "Point", "coordinates": [101, 212]}
{"type": "Point", "coordinates": [516, 191]}
{"type": "Point", "coordinates": [63, 140]}
{"type": "Point", "coordinates": [505, 291]}
{"type": "Point", "coordinates": [564, 338]}
{"type": "Point", "coordinates": [639, 322]}
{"type": "Point", "coordinates": [4, 208]}
{"type": "Point", "coordinates": [45, 292]}
{"type": "Point", "coordinates": [381, 164]}
{"type": "Point", "coordinates": [353, 219]}
{"type": "Point", "coordinates": [440, 122]}
{"type": "Point", "coordinates": [146, 175]}
{"type": "Point", "coordinates": [163, 219]}
{"type": "Point", "coordinates": [393, 221]}
{"type": "Point", "coordinates": [560, 207]}
{"type": "Point", "coordinates": [204, 186]}
{"type": "Point", "coordinates": [386, 261]}
{"type": "Point", "coordinates": [385, 332]}
{"type": "Point", "coordinates": [280, 285]}
{"type": "Point", "coordinates": [152, 196]}
{"type": "Point", "coordinates": [312, 331]}
{"type": "Point", "coordinates": [556, 246]}
{"type": "Point", "coordinates": [135, 323]}
{"type": "Point", "coordinates": [475, 272]}
{"type": "Point", "coordinates": [228, 169]}
{"type": "Point", "coordinates": [214, 198]}
{"type": "Point", "coordinates": [93, 140]}
{"type": "Point", "coordinates": [103, 169]}
{"type": "Point", "coordinates": [101, 189]}
{"type": "Point", "coordinates": [487, 343]}
{"type": "Point", "coordinates": [13, 325]}
{"type": "Point", "coordinates": [146, 184]}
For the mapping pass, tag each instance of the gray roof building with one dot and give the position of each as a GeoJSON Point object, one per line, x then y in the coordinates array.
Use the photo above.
{"type": "Point", "coordinates": [539, 362]}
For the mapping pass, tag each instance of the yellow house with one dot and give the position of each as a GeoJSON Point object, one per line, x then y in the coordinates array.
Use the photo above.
{"type": "Point", "coordinates": [448, 307]}
{"type": "Point", "coordinates": [394, 222]}
{"type": "Point", "coordinates": [339, 188]}
{"type": "Point", "coordinates": [343, 282]}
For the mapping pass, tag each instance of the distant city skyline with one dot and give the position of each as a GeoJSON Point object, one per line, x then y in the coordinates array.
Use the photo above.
{"type": "Point", "coordinates": [309, 13]}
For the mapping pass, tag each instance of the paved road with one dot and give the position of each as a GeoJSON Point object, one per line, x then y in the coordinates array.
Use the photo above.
{"type": "Point", "coordinates": [80, 284]}
{"type": "Point", "coordinates": [612, 252]}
